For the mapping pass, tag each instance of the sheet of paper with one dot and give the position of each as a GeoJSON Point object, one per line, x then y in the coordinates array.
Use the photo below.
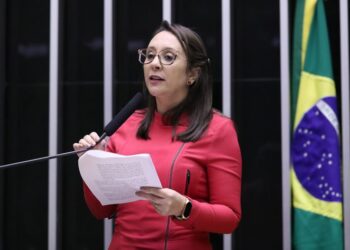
{"type": "Point", "coordinates": [115, 178]}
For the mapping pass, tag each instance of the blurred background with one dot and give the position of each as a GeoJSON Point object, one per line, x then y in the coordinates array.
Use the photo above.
{"type": "Point", "coordinates": [255, 106]}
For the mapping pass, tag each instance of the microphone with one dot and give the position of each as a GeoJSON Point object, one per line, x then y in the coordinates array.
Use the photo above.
{"type": "Point", "coordinates": [122, 116]}
{"type": "Point", "coordinates": [108, 130]}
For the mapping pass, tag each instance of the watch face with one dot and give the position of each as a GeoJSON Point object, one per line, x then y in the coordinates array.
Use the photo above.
{"type": "Point", "coordinates": [187, 210]}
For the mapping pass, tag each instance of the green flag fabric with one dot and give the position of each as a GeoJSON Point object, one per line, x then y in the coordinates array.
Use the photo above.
{"type": "Point", "coordinates": [315, 151]}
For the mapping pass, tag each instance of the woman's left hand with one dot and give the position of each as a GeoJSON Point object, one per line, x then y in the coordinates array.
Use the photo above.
{"type": "Point", "coordinates": [164, 200]}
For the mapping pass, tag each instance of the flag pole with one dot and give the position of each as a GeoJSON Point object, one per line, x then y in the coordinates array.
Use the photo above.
{"type": "Point", "coordinates": [285, 123]}
{"type": "Point", "coordinates": [344, 57]}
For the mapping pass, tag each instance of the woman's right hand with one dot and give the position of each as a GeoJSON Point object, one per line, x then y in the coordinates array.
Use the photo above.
{"type": "Point", "coordinates": [89, 141]}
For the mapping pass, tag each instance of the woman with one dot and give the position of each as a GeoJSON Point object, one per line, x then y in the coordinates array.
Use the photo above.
{"type": "Point", "coordinates": [194, 149]}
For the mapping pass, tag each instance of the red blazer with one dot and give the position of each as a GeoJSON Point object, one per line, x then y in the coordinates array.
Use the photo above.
{"type": "Point", "coordinates": [207, 171]}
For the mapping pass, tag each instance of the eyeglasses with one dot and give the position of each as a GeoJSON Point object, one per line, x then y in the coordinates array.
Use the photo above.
{"type": "Point", "coordinates": [166, 57]}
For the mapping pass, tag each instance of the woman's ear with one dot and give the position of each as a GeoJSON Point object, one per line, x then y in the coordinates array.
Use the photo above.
{"type": "Point", "coordinates": [193, 75]}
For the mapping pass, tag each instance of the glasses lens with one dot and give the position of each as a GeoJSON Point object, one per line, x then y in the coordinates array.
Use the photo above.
{"type": "Point", "coordinates": [167, 57]}
{"type": "Point", "coordinates": [147, 56]}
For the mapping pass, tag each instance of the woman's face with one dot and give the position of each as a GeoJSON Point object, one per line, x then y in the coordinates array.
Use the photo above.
{"type": "Point", "coordinates": [167, 83]}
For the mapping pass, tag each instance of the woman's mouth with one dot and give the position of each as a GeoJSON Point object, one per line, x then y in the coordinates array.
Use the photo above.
{"type": "Point", "coordinates": [154, 79]}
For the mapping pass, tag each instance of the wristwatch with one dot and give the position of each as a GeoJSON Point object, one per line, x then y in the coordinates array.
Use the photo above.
{"type": "Point", "coordinates": [186, 211]}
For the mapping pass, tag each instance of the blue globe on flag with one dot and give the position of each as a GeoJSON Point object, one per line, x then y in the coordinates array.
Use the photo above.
{"type": "Point", "coordinates": [316, 150]}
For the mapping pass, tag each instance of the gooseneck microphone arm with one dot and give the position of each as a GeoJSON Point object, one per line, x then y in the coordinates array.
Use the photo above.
{"type": "Point", "coordinates": [109, 129]}
{"type": "Point", "coordinates": [20, 163]}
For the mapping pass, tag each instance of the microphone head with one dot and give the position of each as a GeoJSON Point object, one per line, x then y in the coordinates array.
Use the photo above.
{"type": "Point", "coordinates": [124, 114]}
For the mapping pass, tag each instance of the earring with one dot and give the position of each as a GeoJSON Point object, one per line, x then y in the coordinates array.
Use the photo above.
{"type": "Point", "coordinates": [190, 82]}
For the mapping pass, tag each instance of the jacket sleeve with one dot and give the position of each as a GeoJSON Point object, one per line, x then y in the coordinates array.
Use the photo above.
{"type": "Point", "coordinates": [222, 213]}
{"type": "Point", "coordinates": [96, 208]}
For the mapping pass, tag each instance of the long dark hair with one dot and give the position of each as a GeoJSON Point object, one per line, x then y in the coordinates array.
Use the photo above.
{"type": "Point", "coordinates": [198, 102]}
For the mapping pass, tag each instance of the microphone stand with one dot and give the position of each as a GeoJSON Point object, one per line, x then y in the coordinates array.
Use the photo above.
{"type": "Point", "coordinates": [20, 163]}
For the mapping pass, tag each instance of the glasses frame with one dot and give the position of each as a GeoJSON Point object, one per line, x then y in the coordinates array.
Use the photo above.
{"type": "Point", "coordinates": [140, 52]}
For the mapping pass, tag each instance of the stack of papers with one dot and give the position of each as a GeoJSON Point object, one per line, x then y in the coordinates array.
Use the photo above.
{"type": "Point", "coordinates": [114, 178]}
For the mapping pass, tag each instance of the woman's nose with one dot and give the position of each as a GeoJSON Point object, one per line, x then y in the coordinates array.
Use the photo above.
{"type": "Point", "coordinates": [156, 63]}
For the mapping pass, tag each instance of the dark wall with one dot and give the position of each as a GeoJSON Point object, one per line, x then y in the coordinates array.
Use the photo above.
{"type": "Point", "coordinates": [24, 76]}
{"type": "Point", "coordinates": [24, 122]}
{"type": "Point", "coordinates": [256, 91]}
{"type": "Point", "coordinates": [81, 111]}
{"type": "Point", "coordinates": [2, 111]}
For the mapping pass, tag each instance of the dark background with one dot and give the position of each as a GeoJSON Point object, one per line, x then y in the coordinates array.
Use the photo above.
{"type": "Point", "coordinates": [24, 76]}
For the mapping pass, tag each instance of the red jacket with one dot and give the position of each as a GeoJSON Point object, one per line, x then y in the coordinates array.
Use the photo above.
{"type": "Point", "coordinates": [207, 171]}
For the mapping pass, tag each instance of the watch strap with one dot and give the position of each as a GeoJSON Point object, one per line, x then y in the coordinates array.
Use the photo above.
{"type": "Point", "coordinates": [186, 211]}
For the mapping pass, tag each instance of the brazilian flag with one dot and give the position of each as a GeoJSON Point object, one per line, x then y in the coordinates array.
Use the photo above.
{"type": "Point", "coordinates": [315, 150]}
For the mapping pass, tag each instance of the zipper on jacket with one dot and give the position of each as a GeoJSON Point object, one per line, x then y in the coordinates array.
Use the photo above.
{"type": "Point", "coordinates": [188, 179]}
{"type": "Point", "coordinates": [170, 182]}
